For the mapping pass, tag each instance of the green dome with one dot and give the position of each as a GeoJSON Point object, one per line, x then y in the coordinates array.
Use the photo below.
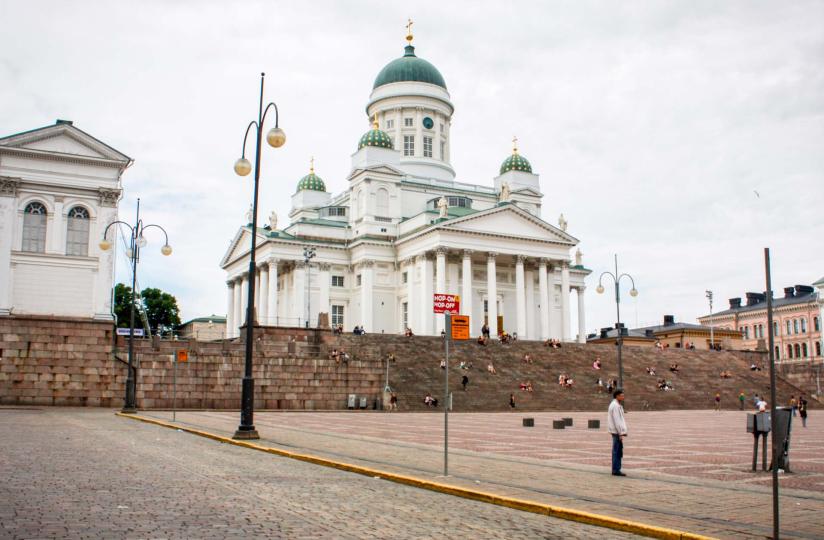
{"type": "Point", "coordinates": [311, 182]}
{"type": "Point", "coordinates": [516, 162]}
{"type": "Point", "coordinates": [375, 137]}
{"type": "Point", "coordinates": [409, 68]}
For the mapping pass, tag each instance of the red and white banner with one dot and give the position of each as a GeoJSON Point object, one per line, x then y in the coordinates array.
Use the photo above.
{"type": "Point", "coordinates": [446, 303]}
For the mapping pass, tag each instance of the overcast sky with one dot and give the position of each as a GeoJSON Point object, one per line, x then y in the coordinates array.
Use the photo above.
{"type": "Point", "coordinates": [683, 136]}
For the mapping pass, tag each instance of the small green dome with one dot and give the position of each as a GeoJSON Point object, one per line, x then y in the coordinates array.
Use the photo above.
{"type": "Point", "coordinates": [409, 68]}
{"type": "Point", "coordinates": [375, 137]}
{"type": "Point", "coordinates": [516, 162]}
{"type": "Point", "coordinates": [311, 182]}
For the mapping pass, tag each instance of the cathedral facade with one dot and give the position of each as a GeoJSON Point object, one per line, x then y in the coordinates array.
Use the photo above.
{"type": "Point", "coordinates": [405, 229]}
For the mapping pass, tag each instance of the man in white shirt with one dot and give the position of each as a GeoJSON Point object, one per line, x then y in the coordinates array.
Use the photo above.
{"type": "Point", "coordinates": [617, 427]}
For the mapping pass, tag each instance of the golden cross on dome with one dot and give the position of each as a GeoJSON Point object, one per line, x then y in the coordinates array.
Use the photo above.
{"type": "Point", "coordinates": [409, 31]}
{"type": "Point", "coordinates": [312, 164]}
{"type": "Point", "coordinates": [514, 145]}
{"type": "Point", "coordinates": [375, 121]}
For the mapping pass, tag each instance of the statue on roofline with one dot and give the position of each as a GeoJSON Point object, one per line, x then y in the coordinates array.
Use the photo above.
{"type": "Point", "coordinates": [562, 223]}
{"type": "Point", "coordinates": [443, 206]}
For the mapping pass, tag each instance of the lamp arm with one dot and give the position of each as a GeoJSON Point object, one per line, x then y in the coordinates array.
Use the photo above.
{"type": "Point", "coordinates": [252, 123]}
{"type": "Point", "coordinates": [271, 104]}
{"type": "Point", "coordinates": [106, 230]}
{"type": "Point", "coordinates": [607, 273]}
{"type": "Point", "coordinates": [159, 227]}
{"type": "Point", "coordinates": [630, 278]}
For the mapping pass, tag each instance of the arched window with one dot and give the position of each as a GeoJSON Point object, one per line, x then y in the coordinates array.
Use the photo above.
{"type": "Point", "coordinates": [803, 350]}
{"type": "Point", "coordinates": [382, 202]}
{"type": "Point", "coordinates": [818, 348]}
{"type": "Point", "coordinates": [789, 329]}
{"type": "Point", "coordinates": [789, 351]}
{"type": "Point", "coordinates": [795, 326]}
{"type": "Point", "coordinates": [775, 328]}
{"type": "Point", "coordinates": [777, 352]}
{"type": "Point", "coordinates": [816, 324]}
{"type": "Point", "coordinates": [797, 351]}
{"type": "Point", "coordinates": [803, 326]}
{"type": "Point", "coordinates": [77, 232]}
{"type": "Point", "coordinates": [34, 228]}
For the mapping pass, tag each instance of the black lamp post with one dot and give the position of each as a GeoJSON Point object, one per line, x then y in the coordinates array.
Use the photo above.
{"type": "Point", "coordinates": [308, 255]}
{"type": "Point", "coordinates": [136, 242]}
{"type": "Point", "coordinates": [616, 277]}
{"type": "Point", "coordinates": [276, 138]}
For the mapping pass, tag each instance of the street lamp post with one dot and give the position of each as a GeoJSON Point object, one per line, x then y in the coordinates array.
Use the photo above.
{"type": "Point", "coordinates": [136, 242]}
{"type": "Point", "coordinates": [276, 138]}
{"type": "Point", "coordinates": [712, 336]}
{"type": "Point", "coordinates": [308, 255]}
{"type": "Point", "coordinates": [616, 277]}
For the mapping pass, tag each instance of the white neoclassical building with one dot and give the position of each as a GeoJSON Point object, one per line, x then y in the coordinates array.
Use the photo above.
{"type": "Point", "coordinates": [59, 188]}
{"type": "Point", "coordinates": [405, 229]}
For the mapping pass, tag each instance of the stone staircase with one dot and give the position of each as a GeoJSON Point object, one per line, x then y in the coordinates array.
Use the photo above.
{"type": "Point", "coordinates": [416, 371]}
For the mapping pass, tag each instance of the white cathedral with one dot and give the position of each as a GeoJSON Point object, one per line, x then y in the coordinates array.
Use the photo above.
{"type": "Point", "coordinates": [405, 229]}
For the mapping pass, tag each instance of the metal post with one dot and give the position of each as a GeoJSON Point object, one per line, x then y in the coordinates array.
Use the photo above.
{"type": "Point", "coordinates": [773, 418]}
{"type": "Point", "coordinates": [712, 335]}
{"type": "Point", "coordinates": [130, 405]}
{"type": "Point", "coordinates": [618, 324]}
{"type": "Point", "coordinates": [447, 339]}
{"type": "Point", "coordinates": [174, 388]}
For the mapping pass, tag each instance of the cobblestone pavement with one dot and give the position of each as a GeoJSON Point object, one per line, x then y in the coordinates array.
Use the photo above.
{"type": "Point", "coordinates": [688, 470]}
{"type": "Point", "coordinates": [84, 473]}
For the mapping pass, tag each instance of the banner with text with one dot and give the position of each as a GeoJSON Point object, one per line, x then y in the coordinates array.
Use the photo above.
{"type": "Point", "coordinates": [446, 303]}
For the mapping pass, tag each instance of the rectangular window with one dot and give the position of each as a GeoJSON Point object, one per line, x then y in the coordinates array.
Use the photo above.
{"type": "Point", "coordinates": [405, 277]}
{"type": "Point", "coordinates": [405, 313]}
{"type": "Point", "coordinates": [337, 281]}
{"type": "Point", "coordinates": [816, 324]}
{"type": "Point", "coordinates": [337, 315]}
{"type": "Point", "coordinates": [789, 330]}
{"type": "Point", "coordinates": [34, 232]}
{"type": "Point", "coordinates": [77, 236]}
{"type": "Point", "coordinates": [359, 280]}
{"type": "Point", "coordinates": [408, 122]}
{"type": "Point", "coordinates": [409, 145]}
{"type": "Point", "coordinates": [803, 326]}
{"type": "Point", "coordinates": [390, 124]}
{"type": "Point", "coordinates": [441, 127]}
{"type": "Point", "coordinates": [777, 352]}
{"type": "Point", "coordinates": [443, 150]}
{"type": "Point", "coordinates": [427, 147]}
{"type": "Point", "coordinates": [775, 328]}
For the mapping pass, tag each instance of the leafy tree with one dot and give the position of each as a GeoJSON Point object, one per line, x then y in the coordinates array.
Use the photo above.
{"type": "Point", "coordinates": [161, 308]}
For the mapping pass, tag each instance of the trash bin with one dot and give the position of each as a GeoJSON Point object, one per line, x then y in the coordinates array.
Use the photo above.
{"type": "Point", "coordinates": [363, 403]}
{"type": "Point", "coordinates": [350, 403]}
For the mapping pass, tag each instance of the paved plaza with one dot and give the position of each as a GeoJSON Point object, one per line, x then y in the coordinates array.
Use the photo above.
{"type": "Point", "coordinates": [688, 470]}
{"type": "Point", "coordinates": [85, 473]}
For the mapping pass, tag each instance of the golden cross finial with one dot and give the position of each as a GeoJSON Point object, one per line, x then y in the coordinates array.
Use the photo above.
{"type": "Point", "coordinates": [312, 164]}
{"type": "Point", "coordinates": [514, 145]}
{"type": "Point", "coordinates": [375, 121]}
{"type": "Point", "coordinates": [409, 31]}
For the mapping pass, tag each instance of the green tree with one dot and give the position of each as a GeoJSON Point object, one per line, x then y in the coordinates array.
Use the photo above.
{"type": "Point", "coordinates": [160, 307]}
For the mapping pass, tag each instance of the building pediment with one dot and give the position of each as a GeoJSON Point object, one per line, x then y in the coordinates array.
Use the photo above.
{"type": "Point", "coordinates": [509, 220]}
{"type": "Point", "coordinates": [377, 169]}
{"type": "Point", "coordinates": [240, 244]}
{"type": "Point", "coordinates": [65, 140]}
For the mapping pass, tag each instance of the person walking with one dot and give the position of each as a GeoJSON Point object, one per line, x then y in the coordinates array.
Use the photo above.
{"type": "Point", "coordinates": [717, 401]}
{"type": "Point", "coordinates": [802, 410]}
{"type": "Point", "coordinates": [793, 404]}
{"type": "Point", "coordinates": [741, 398]}
{"type": "Point", "coordinates": [511, 401]}
{"type": "Point", "coordinates": [464, 382]}
{"type": "Point", "coordinates": [617, 427]}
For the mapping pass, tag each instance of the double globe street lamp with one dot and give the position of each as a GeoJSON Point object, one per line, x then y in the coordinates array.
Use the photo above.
{"type": "Point", "coordinates": [136, 243]}
{"type": "Point", "coordinates": [276, 138]}
{"type": "Point", "coordinates": [616, 277]}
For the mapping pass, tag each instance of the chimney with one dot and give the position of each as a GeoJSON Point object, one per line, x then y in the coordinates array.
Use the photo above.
{"type": "Point", "coordinates": [754, 298]}
{"type": "Point", "coordinates": [801, 290]}
{"type": "Point", "coordinates": [735, 303]}
{"type": "Point", "coordinates": [60, 122]}
{"type": "Point", "coordinates": [648, 332]}
{"type": "Point", "coordinates": [605, 332]}
{"type": "Point", "coordinates": [669, 320]}
{"type": "Point", "coordinates": [789, 292]}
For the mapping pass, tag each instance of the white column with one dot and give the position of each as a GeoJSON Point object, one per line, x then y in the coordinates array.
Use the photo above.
{"type": "Point", "coordinates": [425, 300]}
{"type": "Point", "coordinates": [492, 294]}
{"type": "Point", "coordinates": [244, 298]}
{"type": "Point", "coordinates": [104, 277]}
{"type": "Point", "coordinates": [263, 296]}
{"type": "Point", "coordinates": [550, 285]}
{"type": "Point", "coordinates": [543, 294]}
{"type": "Point", "coordinates": [565, 301]}
{"type": "Point", "coordinates": [453, 284]}
{"type": "Point", "coordinates": [466, 292]}
{"type": "Point", "coordinates": [399, 129]}
{"type": "Point", "coordinates": [285, 303]}
{"type": "Point", "coordinates": [411, 320]}
{"type": "Point", "coordinates": [520, 297]}
{"type": "Point", "coordinates": [230, 308]}
{"type": "Point", "coordinates": [367, 283]}
{"type": "Point", "coordinates": [238, 307]}
{"type": "Point", "coordinates": [440, 270]}
{"type": "Point", "coordinates": [272, 290]}
{"type": "Point", "coordinates": [298, 294]}
{"type": "Point", "coordinates": [257, 294]}
{"type": "Point", "coordinates": [531, 315]}
{"type": "Point", "coordinates": [325, 282]}
{"type": "Point", "coordinates": [582, 319]}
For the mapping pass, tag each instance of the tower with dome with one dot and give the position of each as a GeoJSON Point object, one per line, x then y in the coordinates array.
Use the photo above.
{"type": "Point", "coordinates": [408, 226]}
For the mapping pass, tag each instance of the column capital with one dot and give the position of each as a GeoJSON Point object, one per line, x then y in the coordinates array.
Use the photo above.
{"type": "Point", "coordinates": [300, 264]}
{"type": "Point", "coordinates": [467, 253]}
{"type": "Point", "coordinates": [543, 261]}
{"type": "Point", "coordinates": [271, 261]}
{"type": "Point", "coordinates": [324, 267]}
{"type": "Point", "coordinates": [230, 283]}
{"type": "Point", "coordinates": [441, 251]}
{"type": "Point", "coordinates": [423, 257]}
{"type": "Point", "coordinates": [564, 264]}
{"type": "Point", "coordinates": [491, 255]}
{"type": "Point", "coordinates": [520, 259]}
{"type": "Point", "coordinates": [9, 186]}
{"type": "Point", "coordinates": [366, 263]}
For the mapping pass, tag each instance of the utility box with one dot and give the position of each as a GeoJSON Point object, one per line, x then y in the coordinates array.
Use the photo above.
{"type": "Point", "coordinates": [783, 427]}
{"type": "Point", "coordinates": [363, 402]}
{"type": "Point", "coordinates": [350, 403]}
{"type": "Point", "coordinates": [758, 422]}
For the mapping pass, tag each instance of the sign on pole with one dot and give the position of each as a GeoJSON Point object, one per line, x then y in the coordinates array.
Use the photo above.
{"type": "Point", "coordinates": [182, 355]}
{"type": "Point", "coordinates": [138, 332]}
{"type": "Point", "coordinates": [446, 303]}
{"type": "Point", "coordinates": [460, 326]}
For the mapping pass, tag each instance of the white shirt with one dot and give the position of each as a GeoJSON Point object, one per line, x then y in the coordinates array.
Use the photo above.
{"type": "Point", "coordinates": [615, 418]}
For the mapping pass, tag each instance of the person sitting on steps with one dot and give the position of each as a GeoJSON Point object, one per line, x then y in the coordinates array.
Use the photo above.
{"type": "Point", "coordinates": [430, 401]}
{"type": "Point", "coordinates": [491, 368]}
{"type": "Point", "coordinates": [482, 340]}
{"type": "Point", "coordinates": [597, 363]}
{"type": "Point", "coordinates": [408, 332]}
{"type": "Point", "coordinates": [527, 358]}
{"type": "Point", "coordinates": [674, 368]}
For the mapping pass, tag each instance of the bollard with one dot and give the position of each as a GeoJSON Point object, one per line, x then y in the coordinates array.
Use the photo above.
{"type": "Point", "coordinates": [529, 422]}
{"type": "Point", "coordinates": [594, 424]}
{"type": "Point", "coordinates": [558, 424]}
{"type": "Point", "coordinates": [567, 422]}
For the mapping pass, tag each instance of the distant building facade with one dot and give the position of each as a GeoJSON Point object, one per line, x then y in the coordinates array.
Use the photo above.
{"type": "Point", "coordinates": [59, 189]}
{"type": "Point", "coordinates": [797, 317]}
{"type": "Point", "coordinates": [676, 335]}
{"type": "Point", "coordinates": [204, 328]}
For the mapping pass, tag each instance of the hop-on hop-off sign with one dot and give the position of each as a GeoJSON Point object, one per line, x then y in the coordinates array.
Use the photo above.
{"type": "Point", "coordinates": [446, 303]}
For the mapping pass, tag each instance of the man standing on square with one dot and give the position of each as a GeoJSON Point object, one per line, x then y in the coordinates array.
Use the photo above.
{"type": "Point", "coordinates": [618, 429]}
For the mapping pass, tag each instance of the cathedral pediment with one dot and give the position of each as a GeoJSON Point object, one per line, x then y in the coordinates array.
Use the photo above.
{"type": "Point", "coordinates": [240, 245]}
{"type": "Point", "coordinates": [377, 169]}
{"type": "Point", "coordinates": [63, 139]}
{"type": "Point", "coordinates": [509, 220]}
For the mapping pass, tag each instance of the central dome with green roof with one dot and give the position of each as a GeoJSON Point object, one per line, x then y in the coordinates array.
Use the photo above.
{"type": "Point", "coordinates": [311, 181]}
{"type": "Point", "coordinates": [409, 68]}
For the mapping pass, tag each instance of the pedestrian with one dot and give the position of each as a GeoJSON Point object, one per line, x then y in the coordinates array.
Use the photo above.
{"type": "Point", "coordinates": [741, 398]}
{"type": "Point", "coordinates": [512, 401]}
{"type": "Point", "coordinates": [618, 429]}
{"type": "Point", "coordinates": [464, 382]}
{"type": "Point", "coordinates": [393, 401]}
{"type": "Point", "coordinates": [793, 404]}
{"type": "Point", "coordinates": [802, 410]}
{"type": "Point", "coordinates": [755, 400]}
{"type": "Point", "coordinates": [717, 401]}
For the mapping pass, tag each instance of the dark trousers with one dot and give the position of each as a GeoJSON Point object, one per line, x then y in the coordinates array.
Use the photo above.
{"type": "Point", "coordinates": [617, 453]}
